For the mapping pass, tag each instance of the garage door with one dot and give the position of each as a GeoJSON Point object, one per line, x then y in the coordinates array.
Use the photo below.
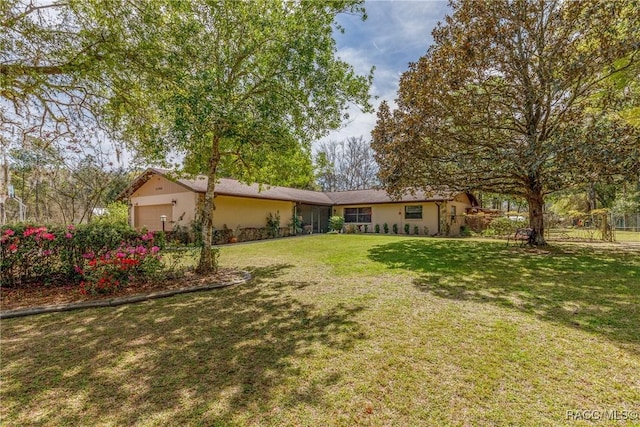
{"type": "Point", "coordinates": [149, 217]}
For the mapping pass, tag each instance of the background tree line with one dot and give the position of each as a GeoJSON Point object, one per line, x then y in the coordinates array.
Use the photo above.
{"type": "Point", "coordinates": [62, 186]}
{"type": "Point", "coordinates": [346, 165]}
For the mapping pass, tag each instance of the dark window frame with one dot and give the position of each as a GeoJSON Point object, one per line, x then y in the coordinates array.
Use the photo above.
{"type": "Point", "coordinates": [413, 215]}
{"type": "Point", "coordinates": [358, 215]}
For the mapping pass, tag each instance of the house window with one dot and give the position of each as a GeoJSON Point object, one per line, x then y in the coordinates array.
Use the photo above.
{"type": "Point", "coordinates": [453, 214]}
{"type": "Point", "coordinates": [413, 212]}
{"type": "Point", "coordinates": [357, 214]}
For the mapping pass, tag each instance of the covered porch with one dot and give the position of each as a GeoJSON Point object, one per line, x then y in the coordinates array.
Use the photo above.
{"type": "Point", "coordinates": [315, 218]}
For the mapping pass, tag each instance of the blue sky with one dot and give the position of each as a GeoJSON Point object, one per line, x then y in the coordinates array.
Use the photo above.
{"type": "Point", "coordinates": [394, 34]}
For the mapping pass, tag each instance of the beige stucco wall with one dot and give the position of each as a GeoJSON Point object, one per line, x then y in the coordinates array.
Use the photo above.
{"type": "Point", "coordinates": [393, 213]}
{"type": "Point", "coordinates": [159, 185]}
{"type": "Point", "coordinates": [461, 202]}
{"type": "Point", "coordinates": [246, 212]}
{"type": "Point", "coordinates": [230, 211]}
{"type": "Point", "coordinates": [160, 191]}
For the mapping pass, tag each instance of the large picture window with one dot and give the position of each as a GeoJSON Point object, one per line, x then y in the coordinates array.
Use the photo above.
{"type": "Point", "coordinates": [357, 214]}
{"type": "Point", "coordinates": [413, 212]}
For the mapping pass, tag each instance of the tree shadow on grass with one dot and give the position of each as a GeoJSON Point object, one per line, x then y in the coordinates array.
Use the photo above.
{"type": "Point", "coordinates": [206, 358]}
{"type": "Point", "coordinates": [597, 291]}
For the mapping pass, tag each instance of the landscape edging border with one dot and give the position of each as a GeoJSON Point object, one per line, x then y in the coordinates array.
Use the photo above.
{"type": "Point", "coordinates": [114, 302]}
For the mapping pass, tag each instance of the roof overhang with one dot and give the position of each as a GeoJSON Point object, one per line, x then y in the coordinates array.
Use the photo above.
{"type": "Point", "coordinates": [233, 188]}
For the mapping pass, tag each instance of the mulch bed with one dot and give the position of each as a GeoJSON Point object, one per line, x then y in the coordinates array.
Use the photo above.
{"type": "Point", "coordinates": [38, 295]}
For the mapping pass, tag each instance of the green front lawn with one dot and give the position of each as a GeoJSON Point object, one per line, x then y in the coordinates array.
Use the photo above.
{"type": "Point", "coordinates": [347, 330]}
{"type": "Point", "coordinates": [592, 234]}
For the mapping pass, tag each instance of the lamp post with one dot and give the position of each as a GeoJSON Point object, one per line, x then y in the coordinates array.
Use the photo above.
{"type": "Point", "coordinates": [163, 219]}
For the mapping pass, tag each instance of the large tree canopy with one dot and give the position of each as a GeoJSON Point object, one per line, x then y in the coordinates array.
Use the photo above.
{"type": "Point", "coordinates": [58, 62]}
{"type": "Point", "coordinates": [251, 85]}
{"type": "Point", "coordinates": [511, 99]}
{"type": "Point", "coordinates": [39, 64]}
{"type": "Point", "coordinates": [235, 87]}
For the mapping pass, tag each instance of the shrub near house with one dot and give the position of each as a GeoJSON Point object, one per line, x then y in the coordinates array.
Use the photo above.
{"type": "Point", "coordinates": [99, 258]}
{"type": "Point", "coordinates": [336, 223]}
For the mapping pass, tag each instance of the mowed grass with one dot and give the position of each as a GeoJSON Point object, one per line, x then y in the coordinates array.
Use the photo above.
{"type": "Point", "coordinates": [627, 236]}
{"type": "Point", "coordinates": [347, 330]}
{"type": "Point", "coordinates": [621, 236]}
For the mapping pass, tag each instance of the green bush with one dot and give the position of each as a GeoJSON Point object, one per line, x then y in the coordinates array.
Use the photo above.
{"type": "Point", "coordinates": [336, 222]}
{"type": "Point", "coordinates": [395, 228]}
{"type": "Point", "coordinates": [296, 224]}
{"type": "Point", "coordinates": [385, 227]}
{"type": "Point", "coordinates": [29, 253]}
{"type": "Point", "coordinates": [117, 214]}
{"type": "Point", "coordinates": [180, 235]}
{"type": "Point", "coordinates": [366, 228]}
{"type": "Point", "coordinates": [416, 230]}
{"type": "Point", "coordinates": [377, 228]}
{"type": "Point", "coordinates": [196, 231]}
{"type": "Point", "coordinates": [406, 228]}
{"type": "Point", "coordinates": [273, 224]}
{"type": "Point", "coordinates": [503, 226]}
{"type": "Point", "coordinates": [351, 229]}
{"type": "Point", "coordinates": [477, 223]}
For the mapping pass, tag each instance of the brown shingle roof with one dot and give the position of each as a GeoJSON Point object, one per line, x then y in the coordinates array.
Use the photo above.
{"type": "Point", "coordinates": [359, 197]}
{"type": "Point", "coordinates": [232, 187]}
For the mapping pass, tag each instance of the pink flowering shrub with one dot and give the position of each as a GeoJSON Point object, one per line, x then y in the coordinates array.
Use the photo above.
{"type": "Point", "coordinates": [25, 252]}
{"type": "Point", "coordinates": [100, 258]}
{"type": "Point", "coordinates": [115, 269]}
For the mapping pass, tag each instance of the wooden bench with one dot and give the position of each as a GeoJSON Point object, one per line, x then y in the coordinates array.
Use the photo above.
{"type": "Point", "coordinates": [523, 236]}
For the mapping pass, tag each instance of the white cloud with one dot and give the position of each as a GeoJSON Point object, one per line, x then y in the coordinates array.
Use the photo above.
{"type": "Point", "coordinates": [360, 59]}
{"type": "Point", "coordinates": [395, 33]}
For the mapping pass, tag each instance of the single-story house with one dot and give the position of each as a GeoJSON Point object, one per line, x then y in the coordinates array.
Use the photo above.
{"type": "Point", "coordinates": [158, 199]}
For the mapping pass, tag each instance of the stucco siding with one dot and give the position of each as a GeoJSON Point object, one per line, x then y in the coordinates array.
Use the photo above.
{"type": "Point", "coordinates": [461, 203]}
{"type": "Point", "coordinates": [155, 192]}
{"type": "Point", "coordinates": [245, 212]}
{"type": "Point", "coordinates": [159, 185]}
{"type": "Point", "coordinates": [242, 206]}
{"type": "Point", "coordinates": [394, 213]}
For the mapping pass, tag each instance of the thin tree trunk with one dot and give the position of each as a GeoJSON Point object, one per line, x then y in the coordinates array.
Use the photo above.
{"type": "Point", "coordinates": [37, 202]}
{"type": "Point", "coordinates": [207, 263]}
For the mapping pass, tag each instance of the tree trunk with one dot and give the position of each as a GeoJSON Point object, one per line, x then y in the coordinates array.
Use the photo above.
{"type": "Point", "coordinates": [591, 198]}
{"type": "Point", "coordinates": [536, 216]}
{"type": "Point", "coordinates": [208, 263]}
